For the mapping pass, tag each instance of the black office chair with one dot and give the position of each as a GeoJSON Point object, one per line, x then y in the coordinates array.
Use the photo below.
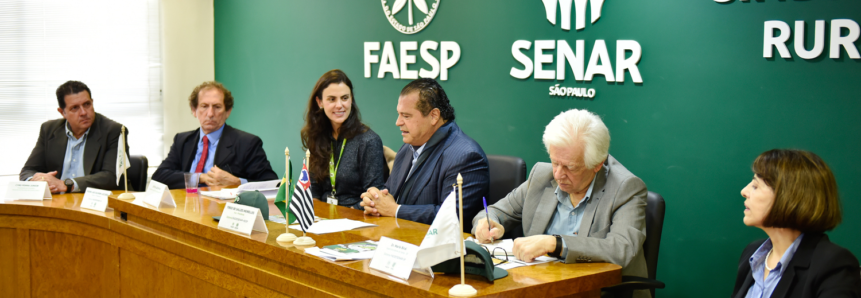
{"type": "Point", "coordinates": [655, 208]}
{"type": "Point", "coordinates": [506, 174]}
{"type": "Point", "coordinates": [138, 165]}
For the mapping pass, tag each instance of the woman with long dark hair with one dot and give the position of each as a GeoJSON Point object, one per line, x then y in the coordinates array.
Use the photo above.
{"type": "Point", "coordinates": [346, 155]}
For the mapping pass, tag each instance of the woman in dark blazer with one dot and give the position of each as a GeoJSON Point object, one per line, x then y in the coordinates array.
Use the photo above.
{"type": "Point", "coordinates": [793, 198]}
{"type": "Point", "coordinates": [346, 155]}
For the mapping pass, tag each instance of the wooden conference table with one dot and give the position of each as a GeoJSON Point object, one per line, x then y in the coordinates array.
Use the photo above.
{"type": "Point", "coordinates": [53, 248]}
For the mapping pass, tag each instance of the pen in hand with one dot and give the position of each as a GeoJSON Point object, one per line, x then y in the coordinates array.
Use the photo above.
{"type": "Point", "coordinates": [486, 214]}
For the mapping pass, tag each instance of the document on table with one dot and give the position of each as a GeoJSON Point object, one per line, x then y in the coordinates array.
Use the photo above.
{"type": "Point", "coordinates": [334, 226]}
{"type": "Point", "coordinates": [269, 189]}
{"type": "Point", "coordinates": [345, 252]}
{"type": "Point", "coordinates": [514, 263]}
{"type": "Point", "coordinates": [224, 194]}
{"type": "Point", "coordinates": [508, 246]}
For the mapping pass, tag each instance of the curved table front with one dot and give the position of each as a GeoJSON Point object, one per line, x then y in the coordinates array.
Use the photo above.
{"type": "Point", "coordinates": [53, 248]}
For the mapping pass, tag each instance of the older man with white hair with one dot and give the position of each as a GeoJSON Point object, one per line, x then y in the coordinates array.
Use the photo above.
{"type": "Point", "coordinates": [584, 206]}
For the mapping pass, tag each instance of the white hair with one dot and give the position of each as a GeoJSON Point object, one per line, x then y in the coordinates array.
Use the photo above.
{"type": "Point", "coordinates": [579, 126]}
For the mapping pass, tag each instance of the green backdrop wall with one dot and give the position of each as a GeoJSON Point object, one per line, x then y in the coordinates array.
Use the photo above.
{"type": "Point", "coordinates": [708, 105]}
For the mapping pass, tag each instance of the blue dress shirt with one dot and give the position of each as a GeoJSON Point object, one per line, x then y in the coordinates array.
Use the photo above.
{"type": "Point", "coordinates": [73, 162]}
{"type": "Point", "coordinates": [566, 220]}
{"type": "Point", "coordinates": [764, 288]}
{"type": "Point", "coordinates": [213, 138]}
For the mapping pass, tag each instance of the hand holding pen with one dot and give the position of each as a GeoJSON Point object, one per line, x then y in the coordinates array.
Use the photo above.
{"type": "Point", "coordinates": [487, 231]}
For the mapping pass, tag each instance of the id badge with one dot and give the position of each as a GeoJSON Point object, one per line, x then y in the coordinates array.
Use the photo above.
{"type": "Point", "coordinates": [331, 199]}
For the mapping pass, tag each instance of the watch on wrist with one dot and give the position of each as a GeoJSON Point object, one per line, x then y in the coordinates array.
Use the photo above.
{"type": "Point", "coordinates": [70, 185]}
{"type": "Point", "coordinates": [557, 253]}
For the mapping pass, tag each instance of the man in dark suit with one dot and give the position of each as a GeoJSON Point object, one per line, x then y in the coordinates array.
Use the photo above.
{"type": "Point", "coordinates": [435, 151]}
{"type": "Point", "coordinates": [77, 151]}
{"type": "Point", "coordinates": [222, 154]}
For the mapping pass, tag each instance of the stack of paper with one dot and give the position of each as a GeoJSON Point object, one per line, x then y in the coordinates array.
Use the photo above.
{"type": "Point", "coordinates": [514, 263]}
{"type": "Point", "coordinates": [345, 252]}
{"type": "Point", "coordinates": [269, 189]}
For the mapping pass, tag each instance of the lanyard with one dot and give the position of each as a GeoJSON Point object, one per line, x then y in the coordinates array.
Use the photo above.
{"type": "Point", "coordinates": [333, 168]}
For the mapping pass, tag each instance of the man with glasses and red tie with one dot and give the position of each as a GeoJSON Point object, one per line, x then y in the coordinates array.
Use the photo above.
{"type": "Point", "coordinates": [223, 155]}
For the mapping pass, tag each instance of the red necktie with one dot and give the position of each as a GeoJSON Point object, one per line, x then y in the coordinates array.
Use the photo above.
{"type": "Point", "coordinates": [203, 155]}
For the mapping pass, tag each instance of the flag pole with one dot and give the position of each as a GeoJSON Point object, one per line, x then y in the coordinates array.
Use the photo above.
{"type": "Point", "coordinates": [287, 236]}
{"type": "Point", "coordinates": [305, 240]}
{"type": "Point", "coordinates": [462, 289]}
{"type": "Point", "coordinates": [126, 195]}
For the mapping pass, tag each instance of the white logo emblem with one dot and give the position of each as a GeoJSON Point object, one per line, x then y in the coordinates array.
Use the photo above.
{"type": "Point", "coordinates": [565, 8]}
{"type": "Point", "coordinates": [415, 23]}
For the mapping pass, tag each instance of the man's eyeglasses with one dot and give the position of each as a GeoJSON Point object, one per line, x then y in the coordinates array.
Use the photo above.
{"type": "Point", "coordinates": [495, 255]}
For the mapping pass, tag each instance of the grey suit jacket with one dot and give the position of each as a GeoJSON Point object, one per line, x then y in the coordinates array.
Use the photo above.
{"type": "Point", "coordinates": [100, 153]}
{"type": "Point", "coordinates": [613, 227]}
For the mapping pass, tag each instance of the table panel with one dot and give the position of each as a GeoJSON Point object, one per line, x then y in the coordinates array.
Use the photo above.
{"type": "Point", "coordinates": [180, 251]}
{"type": "Point", "coordinates": [67, 265]}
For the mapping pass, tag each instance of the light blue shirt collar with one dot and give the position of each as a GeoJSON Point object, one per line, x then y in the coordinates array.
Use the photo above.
{"type": "Point", "coordinates": [565, 198]}
{"type": "Point", "coordinates": [71, 134]}
{"type": "Point", "coordinates": [417, 152]}
{"type": "Point", "coordinates": [764, 288]}
{"type": "Point", "coordinates": [213, 136]}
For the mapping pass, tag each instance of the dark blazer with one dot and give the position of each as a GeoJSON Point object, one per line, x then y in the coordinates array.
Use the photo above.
{"type": "Point", "coordinates": [100, 153]}
{"type": "Point", "coordinates": [819, 268]}
{"type": "Point", "coordinates": [447, 153]}
{"type": "Point", "coordinates": [238, 152]}
{"type": "Point", "coordinates": [362, 166]}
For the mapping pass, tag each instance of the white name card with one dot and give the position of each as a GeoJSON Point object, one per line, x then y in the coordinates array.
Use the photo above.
{"type": "Point", "coordinates": [158, 195]}
{"type": "Point", "coordinates": [95, 199]}
{"type": "Point", "coordinates": [28, 190]}
{"type": "Point", "coordinates": [394, 257]}
{"type": "Point", "coordinates": [242, 219]}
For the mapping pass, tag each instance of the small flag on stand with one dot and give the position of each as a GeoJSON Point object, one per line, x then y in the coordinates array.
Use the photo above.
{"type": "Point", "coordinates": [445, 229]}
{"type": "Point", "coordinates": [122, 156]}
{"type": "Point", "coordinates": [282, 200]}
{"type": "Point", "coordinates": [302, 204]}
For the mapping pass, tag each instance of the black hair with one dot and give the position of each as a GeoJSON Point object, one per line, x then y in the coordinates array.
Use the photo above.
{"type": "Point", "coordinates": [431, 96]}
{"type": "Point", "coordinates": [69, 88]}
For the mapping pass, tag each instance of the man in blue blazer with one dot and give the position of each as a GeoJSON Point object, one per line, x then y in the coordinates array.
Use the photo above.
{"type": "Point", "coordinates": [435, 151]}
{"type": "Point", "coordinates": [223, 155]}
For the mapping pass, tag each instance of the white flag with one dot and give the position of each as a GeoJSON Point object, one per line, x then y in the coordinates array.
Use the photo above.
{"type": "Point", "coordinates": [444, 238]}
{"type": "Point", "coordinates": [122, 157]}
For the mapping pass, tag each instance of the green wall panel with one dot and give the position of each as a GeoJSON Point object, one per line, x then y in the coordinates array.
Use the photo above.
{"type": "Point", "coordinates": [709, 103]}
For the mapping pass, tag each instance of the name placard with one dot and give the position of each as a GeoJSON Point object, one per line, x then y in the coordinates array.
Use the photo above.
{"type": "Point", "coordinates": [242, 219]}
{"type": "Point", "coordinates": [28, 190]}
{"type": "Point", "coordinates": [158, 195]}
{"type": "Point", "coordinates": [394, 257]}
{"type": "Point", "coordinates": [95, 199]}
